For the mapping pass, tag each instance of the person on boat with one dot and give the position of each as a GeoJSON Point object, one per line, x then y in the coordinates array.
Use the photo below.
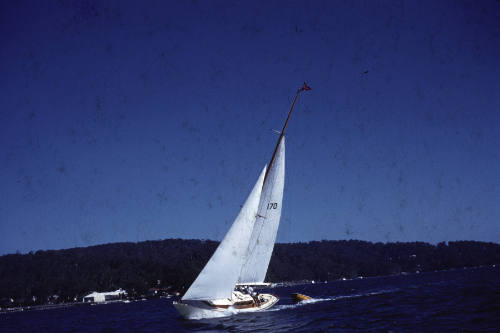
{"type": "Point", "coordinates": [249, 290]}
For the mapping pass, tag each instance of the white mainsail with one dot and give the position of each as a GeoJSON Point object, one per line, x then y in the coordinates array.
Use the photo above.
{"type": "Point", "coordinates": [219, 276]}
{"type": "Point", "coordinates": [264, 232]}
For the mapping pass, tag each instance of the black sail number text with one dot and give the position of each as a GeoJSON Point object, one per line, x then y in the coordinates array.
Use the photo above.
{"type": "Point", "coordinates": [272, 205]}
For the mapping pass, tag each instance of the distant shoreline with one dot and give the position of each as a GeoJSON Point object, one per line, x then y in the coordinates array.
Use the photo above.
{"type": "Point", "coordinates": [282, 284]}
{"type": "Point", "coordinates": [168, 267]}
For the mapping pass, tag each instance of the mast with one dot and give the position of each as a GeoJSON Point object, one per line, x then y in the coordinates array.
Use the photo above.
{"type": "Point", "coordinates": [304, 87]}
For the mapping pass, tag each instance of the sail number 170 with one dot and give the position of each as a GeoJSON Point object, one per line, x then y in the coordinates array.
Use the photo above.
{"type": "Point", "coordinates": [272, 205]}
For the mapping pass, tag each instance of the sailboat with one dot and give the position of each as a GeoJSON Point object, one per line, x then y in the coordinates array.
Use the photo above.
{"type": "Point", "coordinates": [240, 262]}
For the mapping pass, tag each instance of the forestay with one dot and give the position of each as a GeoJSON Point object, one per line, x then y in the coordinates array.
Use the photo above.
{"type": "Point", "coordinates": [264, 232]}
{"type": "Point", "coordinates": [219, 276]}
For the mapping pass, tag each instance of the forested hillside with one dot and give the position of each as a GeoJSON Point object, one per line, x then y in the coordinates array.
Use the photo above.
{"type": "Point", "coordinates": [175, 263]}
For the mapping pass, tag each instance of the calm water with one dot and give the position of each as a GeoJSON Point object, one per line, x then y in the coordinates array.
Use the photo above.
{"type": "Point", "coordinates": [457, 300]}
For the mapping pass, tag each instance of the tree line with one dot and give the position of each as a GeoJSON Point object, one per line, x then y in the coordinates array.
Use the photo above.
{"type": "Point", "coordinates": [173, 264]}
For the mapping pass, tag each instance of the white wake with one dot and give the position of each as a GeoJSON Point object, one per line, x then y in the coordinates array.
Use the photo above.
{"type": "Point", "coordinates": [332, 298]}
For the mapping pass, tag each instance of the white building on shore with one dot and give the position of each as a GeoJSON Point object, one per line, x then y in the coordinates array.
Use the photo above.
{"type": "Point", "coordinates": [104, 297]}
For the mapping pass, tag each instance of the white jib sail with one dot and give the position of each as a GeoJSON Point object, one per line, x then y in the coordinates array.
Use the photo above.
{"type": "Point", "coordinates": [264, 232]}
{"type": "Point", "coordinates": [219, 276]}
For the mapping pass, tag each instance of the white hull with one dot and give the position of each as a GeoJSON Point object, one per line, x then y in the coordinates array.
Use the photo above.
{"type": "Point", "coordinates": [200, 310]}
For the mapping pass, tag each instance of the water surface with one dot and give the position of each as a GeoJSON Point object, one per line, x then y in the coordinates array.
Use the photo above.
{"type": "Point", "coordinates": [455, 300]}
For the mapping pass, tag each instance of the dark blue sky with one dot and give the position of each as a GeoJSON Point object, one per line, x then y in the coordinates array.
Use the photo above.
{"type": "Point", "coordinates": [136, 121]}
